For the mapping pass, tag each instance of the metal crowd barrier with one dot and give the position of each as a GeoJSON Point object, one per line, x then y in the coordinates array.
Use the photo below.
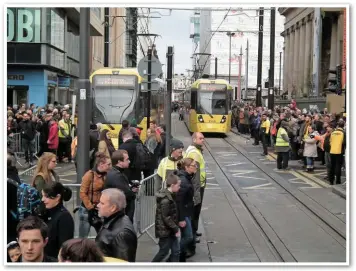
{"type": "Point", "coordinates": [145, 206]}
{"type": "Point", "coordinates": [16, 145]}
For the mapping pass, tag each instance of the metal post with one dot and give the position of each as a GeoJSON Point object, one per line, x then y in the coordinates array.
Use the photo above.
{"type": "Point", "coordinates": [230, 58]}
{"type": "Point", "coordinates": [240, 67]}
{"type": "Point", "coordinates": [216, 67]}
{"type": "Point", "coordinates": [84, 96]}
{"type": "Point", "coordinates": [149, 54]}
{"type": "Point", "coordinates": [246, 72]}
{"type": "Point", "coordinates": [106, 37]}
{"type": "Point", "coordinates": [280, 73]}
{"type": "Point", "coordinates": [259, 59]}
{"type": "Point", "coordinates": [169, 97]}
{"type": "Point", "coordinates": [271, 60]}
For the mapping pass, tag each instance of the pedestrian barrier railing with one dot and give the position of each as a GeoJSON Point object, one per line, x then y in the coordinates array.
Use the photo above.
{"type": "Point", "coordinates": [15, 142]}
{"type": "Point", "coordinates": [145, 205]}
{"type": "Point", "coordinates": [30, 172]}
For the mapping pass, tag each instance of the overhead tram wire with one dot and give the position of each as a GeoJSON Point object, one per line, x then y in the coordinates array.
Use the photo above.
{"type": "Point", "coordinates": [212, 35]}
{"type": "Point", "coordinates": [205, 9]}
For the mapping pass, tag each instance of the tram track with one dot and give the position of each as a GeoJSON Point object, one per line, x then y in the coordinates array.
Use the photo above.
{"type": "Point", "coordinates": [327, 221]}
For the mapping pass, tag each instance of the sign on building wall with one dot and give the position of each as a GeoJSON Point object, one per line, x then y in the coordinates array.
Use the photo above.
{"type": "Point", "coordinates": [245, 22]}
{"type": "Point", "coordinates": [24, 24]}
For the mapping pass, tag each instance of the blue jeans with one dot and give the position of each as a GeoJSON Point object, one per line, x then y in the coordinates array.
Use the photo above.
{"type": "Point", "coordinates": [84, 226]}
{"type": "Point", "coordinates": [166, 244]}
{"type": "Point", "coordinates": [310, 162]}
{"type": "Point", "coordinates": [186, 235]}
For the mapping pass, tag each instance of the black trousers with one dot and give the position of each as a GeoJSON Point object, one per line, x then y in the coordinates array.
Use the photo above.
{"type": "Point", "coordinates": [64, 149]}
{"type": "Point", "coordinates": [282, 160]}
{"type": "Point", "coordinates": [256, 135]}
{"type": "Point", "coordinates": [335, 169]}
{"type": "Point", "coordinates": [264, 142]}
{"type": "Point", "coordinates": [195, 219]}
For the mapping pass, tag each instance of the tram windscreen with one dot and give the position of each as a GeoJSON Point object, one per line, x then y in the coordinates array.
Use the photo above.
{"type": "Point", "coordinates": [114, 98]}
{"type": "Point", "coordinates": [212, 99]}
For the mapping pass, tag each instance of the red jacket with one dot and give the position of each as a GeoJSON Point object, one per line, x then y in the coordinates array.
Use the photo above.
{"type": "Point", "coordinates": [53, 139]}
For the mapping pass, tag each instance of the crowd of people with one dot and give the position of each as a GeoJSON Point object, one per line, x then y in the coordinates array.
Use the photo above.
{"type": "Point", "coordinates": [108, 191]}
{"type": "Point", "coordinates": [295, 134]}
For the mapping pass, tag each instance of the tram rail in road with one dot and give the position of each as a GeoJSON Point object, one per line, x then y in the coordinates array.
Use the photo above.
{"type": "Point", "coordinates": [316, 228]}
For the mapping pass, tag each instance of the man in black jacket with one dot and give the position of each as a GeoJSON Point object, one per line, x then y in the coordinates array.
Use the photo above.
{"type": "Point", "coordinates": [117, 237]}
{"type": "Point", "coordinates": [129, 145]}
{"type": "Point", "coordinates": [28, 133]}
{"type": "Point", "coordinates": [116, 178]}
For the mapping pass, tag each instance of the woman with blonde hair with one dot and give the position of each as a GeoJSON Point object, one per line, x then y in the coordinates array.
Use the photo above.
{"type": "Point", "coordinates": [105, 144]}
{"type": "Point", "coordinates": [45, 173]}
{"type": "Point", "coordinates": [153, 144]}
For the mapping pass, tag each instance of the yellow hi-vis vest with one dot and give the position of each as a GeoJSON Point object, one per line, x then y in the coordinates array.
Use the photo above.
{"type": "Point", "coordinates": [280, 141]}
{"type": "Point", "coordinates": [166, 166]}
{"type": "Point", "coordinates": [65, 126]}
{"type": "Point", "coordinates": [195, 154]}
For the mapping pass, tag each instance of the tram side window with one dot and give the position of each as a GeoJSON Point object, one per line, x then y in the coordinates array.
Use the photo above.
{"type": "Point", "coordinates": [194, 100]}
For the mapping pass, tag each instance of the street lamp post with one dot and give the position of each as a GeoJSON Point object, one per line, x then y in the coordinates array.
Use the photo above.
{"type": "Point", "coordinates": [230, 34]}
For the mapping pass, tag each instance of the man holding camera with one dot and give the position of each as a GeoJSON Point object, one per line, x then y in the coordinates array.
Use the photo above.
{"type": "Point", "coordinates": [116, 178]}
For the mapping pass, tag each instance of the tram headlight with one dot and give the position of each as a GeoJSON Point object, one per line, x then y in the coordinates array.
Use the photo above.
{"type": "Point", "coordinates": [223, 119]}
{"type": "Point", "coordinates": [200, 118]}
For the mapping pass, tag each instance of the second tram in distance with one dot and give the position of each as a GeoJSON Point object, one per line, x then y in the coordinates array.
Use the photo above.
{"type": "Point", "coordinates": [208, 106]}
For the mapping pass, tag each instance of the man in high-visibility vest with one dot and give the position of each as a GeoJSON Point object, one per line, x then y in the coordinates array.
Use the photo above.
{"type": "Point", "coordinates": [169, 163]}
{"type": "Point", "coordinates": [337, 151]}
{"type": "Point", "coordinates": [264, 132]}
{"type": "Point", "coordinates": [195, 151]}
{"type": "Point", "coordinates": [65, 138]}
{"type": "Point", "coordinates": [282, 146]}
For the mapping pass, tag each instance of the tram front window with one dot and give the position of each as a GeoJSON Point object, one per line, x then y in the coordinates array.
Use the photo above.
{"type": "Point", "coordinates": [114, 105]}
{"type": "Point", "coordinates": [212, 102]}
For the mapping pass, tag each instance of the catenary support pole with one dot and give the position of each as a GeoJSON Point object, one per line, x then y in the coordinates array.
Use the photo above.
{"type": "Point", "coordinates": [169, 97]}
{"type": "Point", "coordinates": [271, 60]}
{"type": "Point", "coordinates": [149, 70]}
{"type": "Point", "coordinates": [83, 97]}
{"type": "Point", "coordinates": [259, 59]}
{"type": "Point", "coordinates": [216, 67]}
{"type": "Point", "coordinates": [106, 37]}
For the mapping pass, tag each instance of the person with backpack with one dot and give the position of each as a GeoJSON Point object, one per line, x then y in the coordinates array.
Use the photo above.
{"type": "Point", "coordinates": [12, 185]}
{"type": "Point", "coordinates": [90, 192]}
{"type": "Point", "coordinates": [45, 173]}
{"type": "Point", "coordinates": [137, 155]}
{"type": "Point", "coordinates": [60, 222]}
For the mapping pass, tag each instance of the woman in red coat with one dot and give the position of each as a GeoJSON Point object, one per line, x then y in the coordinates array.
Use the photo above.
{"type": "Point", "coordinates": [53, 139]}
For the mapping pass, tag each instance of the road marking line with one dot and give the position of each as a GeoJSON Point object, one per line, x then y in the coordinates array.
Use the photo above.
{"type": "Point", "coordinates": [247, 177]}
{"type": "Point", "coordinates": [294, 179]}
{"type": "Point", "coordinates": [315, 179]}
{"type": "Point", "coordinates": [215, 184]}
{"type": "Point", "coordinates": [305, 179]}
{"type": "Point", "coordinates": [242, 171]}
{"type": "Point", "coordinates": [210, 178]}
{"type": "Point", "coordinates": [66, 180]}
{"type": "Point", "coordinates": [260, 186]}
{"type": "Point", "coordinates": [226, 155]}
{"type": "Point", "coordinates": [212, 188]}
{"type": "Point", "coordinates": [236, 164]}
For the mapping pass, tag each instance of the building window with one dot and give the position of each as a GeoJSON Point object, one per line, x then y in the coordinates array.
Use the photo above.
{"type": "Point", "coordinates": [57, 29]}
{"type": "Point", "coordinates": [73, 41]}
{"type": "Point", "coordinates": [57, 59]}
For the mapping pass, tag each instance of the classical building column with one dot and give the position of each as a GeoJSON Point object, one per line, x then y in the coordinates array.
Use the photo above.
{"type": "Point", "coordinates": [290, 62]}
{"type": "Point", "coordinates": [334, 41]}
{"type": "Point", "coordinates": [307, 55]}
{"type": "Point", "coordinates": [296, 56]}
{"type": "Point", "coordinates": [285, 60]}
{"type": "Point", "coordinates": [301, 58]}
